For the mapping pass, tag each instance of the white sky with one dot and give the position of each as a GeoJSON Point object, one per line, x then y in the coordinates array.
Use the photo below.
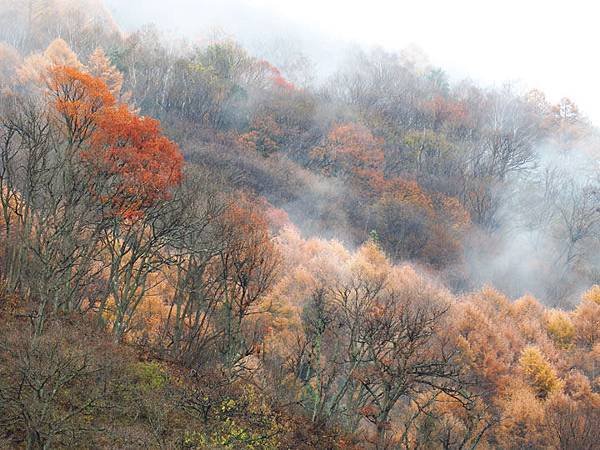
{"type": "Point", "coordinates": [551, 45]}
{"type": "Point", "coordinates": [554, 45]}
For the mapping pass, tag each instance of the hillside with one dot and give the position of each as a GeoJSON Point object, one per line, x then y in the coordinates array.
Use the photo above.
{"type": "Point", "coordinates": [200, 249]}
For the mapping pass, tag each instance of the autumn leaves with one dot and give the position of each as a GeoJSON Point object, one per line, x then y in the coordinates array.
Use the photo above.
{"type": "Point", "coordinates": [115, 143]}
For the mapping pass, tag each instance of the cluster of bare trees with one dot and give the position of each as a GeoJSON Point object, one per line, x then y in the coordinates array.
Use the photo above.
{"type": "Point", "coordinates": [219, 274]}
{"type": "Point", "coordinates": [369, 349]}
{"type": "Point", "coordinates": [83, 235]}
{"type": "Point", "coordinates": [51, 227]}
{"type": "Point", "coordinates": [375, 360]}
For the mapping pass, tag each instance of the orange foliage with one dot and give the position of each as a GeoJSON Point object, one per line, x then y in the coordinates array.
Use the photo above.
{"type": "Point", "coordinates": [263, 137]}
{"type": "Point", "coordinates": [410, 191]}
{"type": "Point", "coordinates": [351, 151]}
{"type": "Point", "coordinates": [586, 318]}
{"type": "Point", "coordinates": [79, 98]}
{"type": "Point", "coordinates": [122, 144]}
{"type": "Point", "coordinates": [132, 148]}
{"type": "Point", "coordinates": [415, 224]}
{"type": "Point", "coordinates": [488, 341]}
{"type": "Point", "coordinates": [248, 247]}
{"type": "Point", "coordinates": [523, 426]}
{"type": "Point", "coordinates": [443, 110]}
{"type": "Point", "coordinates": [276, 76]}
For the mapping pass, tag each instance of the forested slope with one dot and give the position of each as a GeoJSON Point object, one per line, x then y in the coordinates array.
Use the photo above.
{"type": "Point", "coordinates": [202, 250]}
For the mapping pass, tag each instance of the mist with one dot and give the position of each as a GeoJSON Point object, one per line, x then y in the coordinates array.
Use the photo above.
{"type": "Point", "coordinates": [543, 237]}
{"type": "Point", "coordinates": [273, 224]}
{"type": "Point", "coordinates": [530, 250]}
{"type": "Point", "coordinates": [491, 43]}
{"type": "Point", "coordinates": [265, 33]}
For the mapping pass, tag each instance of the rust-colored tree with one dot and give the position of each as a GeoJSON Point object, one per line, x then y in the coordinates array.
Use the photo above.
{"type": "Point", "coordinates": [131, 170]}
{"type": "Point", "coordinates": [352, 152]}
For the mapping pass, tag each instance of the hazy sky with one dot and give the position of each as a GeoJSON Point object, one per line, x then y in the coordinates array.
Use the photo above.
{"type": "Point", "coordinates": [553, 45]}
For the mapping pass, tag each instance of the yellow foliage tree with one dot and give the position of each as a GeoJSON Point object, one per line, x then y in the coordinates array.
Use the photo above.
{"type": "Point", "coordinates": [539, 372]}
{"type": "Point", "coordinates": [560, 328]}
{"type": "Point", "coordinates": [593, 295]}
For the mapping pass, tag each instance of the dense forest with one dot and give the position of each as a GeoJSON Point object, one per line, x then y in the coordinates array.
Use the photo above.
{"type": "Point", "coordinates": [202, 249]}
